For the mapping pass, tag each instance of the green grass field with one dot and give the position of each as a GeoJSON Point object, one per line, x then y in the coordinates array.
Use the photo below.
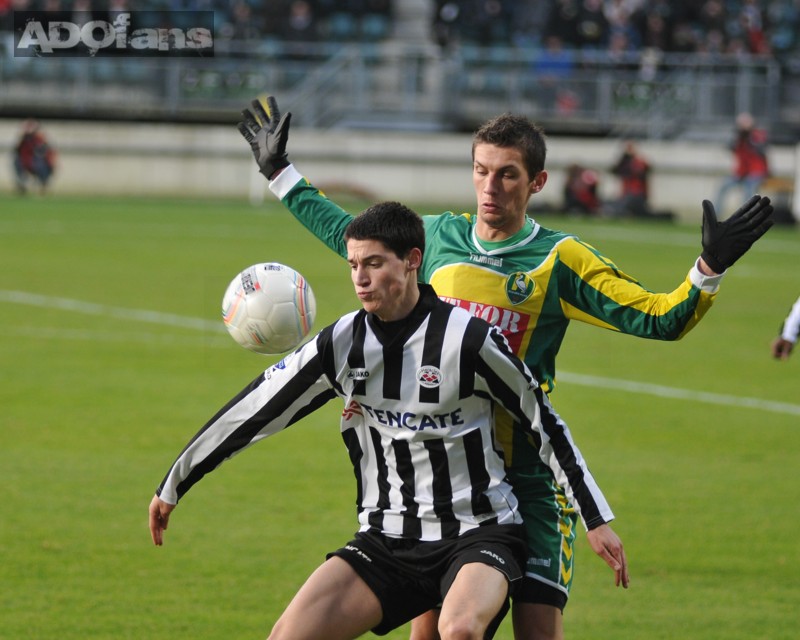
{"type": "Point", "coordinates": [113, 355]}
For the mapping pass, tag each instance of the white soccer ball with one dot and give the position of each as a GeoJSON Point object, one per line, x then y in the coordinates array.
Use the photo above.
{"type": "Point", "coordinates": [269, 308]}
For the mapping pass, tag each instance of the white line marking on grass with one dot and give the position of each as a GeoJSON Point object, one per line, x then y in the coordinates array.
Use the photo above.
{"type": "Point", "coordinates": [124, 337]}
{"type": "Point", "coordinates": [94, 309]}
{"type": "Point", "coordinates": [682, 394]}
{"type": "Point", "coordinates": [155, 317]}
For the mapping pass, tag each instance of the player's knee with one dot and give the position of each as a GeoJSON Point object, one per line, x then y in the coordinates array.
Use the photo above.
{"type": "Point", "coordinates": [461, 627]}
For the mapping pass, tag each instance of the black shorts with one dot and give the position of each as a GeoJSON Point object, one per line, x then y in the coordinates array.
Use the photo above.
{"type": "Point", "coordinates": [410, 577]}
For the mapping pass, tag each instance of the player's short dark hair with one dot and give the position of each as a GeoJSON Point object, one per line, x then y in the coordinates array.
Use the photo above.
{"type": "Point", "coordinates": [509, 130]}
{"type": "Point", "coordinates": [395, 225]}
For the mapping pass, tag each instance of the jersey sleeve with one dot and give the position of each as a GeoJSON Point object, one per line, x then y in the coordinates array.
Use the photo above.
{"type": "Point", "coordinates": [322, 217]}
{"type": "Point", "coordinates": [791, 326]}
{"type": "Point", "coordinates": [593, 290]}
{"type": "Point", "coordinates": [509, 382]}
{"type": "Point", "coordinates": [279, 397]}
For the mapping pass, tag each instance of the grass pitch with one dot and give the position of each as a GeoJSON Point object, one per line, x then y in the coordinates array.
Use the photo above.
{"type": "Point", "coordinates": [113, 355]}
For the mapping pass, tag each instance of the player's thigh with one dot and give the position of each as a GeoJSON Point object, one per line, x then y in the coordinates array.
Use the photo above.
{"type": "Point", "coordinates": [334, 603]}
{"type": "Point", "coordinates": [537, 621]}
{"type": "Point", "coordinates": [425, 626]}
{"type": "Point", "coordinates": [477, 594]}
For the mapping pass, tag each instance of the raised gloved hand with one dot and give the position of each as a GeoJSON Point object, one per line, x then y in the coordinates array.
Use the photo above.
{"type": "Point", "coordinates": [267, 133]}
{"type": "Point", "coordinates": [727, 241]}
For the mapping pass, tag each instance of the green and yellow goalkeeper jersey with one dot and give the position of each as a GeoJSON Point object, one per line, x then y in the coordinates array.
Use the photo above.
{"type": "Point", "coordinates": [530, 285]}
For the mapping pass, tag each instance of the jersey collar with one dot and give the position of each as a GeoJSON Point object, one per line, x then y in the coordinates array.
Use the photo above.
{"type": "Point", "coordinates": [522, 237]}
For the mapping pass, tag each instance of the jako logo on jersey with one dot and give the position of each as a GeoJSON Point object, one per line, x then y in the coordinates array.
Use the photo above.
{"type": "Point", "coordinates": [352, 409]}
{"type": "Point", "coordinates": [492, 555]}
{"type": "Point", "coordinates": [357, 374]}
{"type": "Point", "coordinates": [519, 287]}
{"type": "Point", "coordinates": [429, 377]}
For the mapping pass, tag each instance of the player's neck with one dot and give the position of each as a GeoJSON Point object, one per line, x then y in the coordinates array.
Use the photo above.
{"type": "Point", "coordinates": [487, 233]}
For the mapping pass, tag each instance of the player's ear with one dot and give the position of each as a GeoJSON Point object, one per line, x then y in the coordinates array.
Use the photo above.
{"type": "Point", "coordinates": [414, 259]}
{"type": "Point", "coordinates": [538, 182]}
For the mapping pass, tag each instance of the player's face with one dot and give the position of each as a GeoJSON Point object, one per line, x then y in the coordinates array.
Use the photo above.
{"type": "Point", "coordinates": [502, 188]}
{"type": "Point", "coordinates": [385, 284]}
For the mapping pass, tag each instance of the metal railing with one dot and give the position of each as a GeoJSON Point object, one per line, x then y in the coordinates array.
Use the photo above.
{"type": "Point", "coordinates": [401, 85]}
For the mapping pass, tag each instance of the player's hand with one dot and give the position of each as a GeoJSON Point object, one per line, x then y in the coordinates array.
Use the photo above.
{"type": "Point", "coordinates": [781, 349]}
{"type": "Point", "coordinates": [725, 242]}
{"type": "Point", "coordinates": [608, 546]}
{"type": "Point", "coordinates": [159, 519]}
{"type": "Point", "coordinates": [267, 132]}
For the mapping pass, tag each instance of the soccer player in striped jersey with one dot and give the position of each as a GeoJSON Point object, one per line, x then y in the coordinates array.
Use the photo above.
{"type": "Point", "coordinates": [420, 381]}
{"type": "Point", "coordinates": [531, 282]}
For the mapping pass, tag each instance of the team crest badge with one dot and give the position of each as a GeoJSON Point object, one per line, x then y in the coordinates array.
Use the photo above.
{"type": "Point", "coordinates": [519, 287]}
{"type": "Point", "coordinates": [429, 377]}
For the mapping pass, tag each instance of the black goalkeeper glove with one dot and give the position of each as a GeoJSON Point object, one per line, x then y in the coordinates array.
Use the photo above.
{"type": "Point", "coordinates": [267, 134]}
{"type": "Point", "coordinates": [725, 242]}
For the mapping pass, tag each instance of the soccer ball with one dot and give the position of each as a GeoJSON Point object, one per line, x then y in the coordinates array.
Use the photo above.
{"type": "Point", "coordinates": [269, 308]}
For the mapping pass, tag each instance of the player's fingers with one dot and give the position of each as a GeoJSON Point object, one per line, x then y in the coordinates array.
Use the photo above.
{"type": "Point", "coordinates": [610, 559]}
{"type": "Point", "coordinates": [260, 112]}
{"type": "Point", "coordinates": [250, 120]}
{"type": "Point", "coordinates": [245, 131]}
{"type": "Point", "coordinates": [761, 229]}
{"type": "Point", "coordinates": [761, 214]}
{"type": "Point", "coordinates": [747, 209]}
{"type": "Point", "coordinates": [709, 214]}
{"type": "Point", "coordinates": [156, 528]}
{"type": "Point", "coordinates": [272, 108]}
{"type": "Point", "coordinates": [624, 575]}
{"type": "Point", "coordinates": [755, 211]}
{"type": "Point", "coordinates": [282, 132]}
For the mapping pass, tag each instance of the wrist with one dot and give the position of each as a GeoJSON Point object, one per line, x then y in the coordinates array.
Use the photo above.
{"type": "Point", "coordinates": [710, 263]}
{"type": "Point", "coordinates": [704, 268]}
{"type": "Point", "coordinates": [274, 168]}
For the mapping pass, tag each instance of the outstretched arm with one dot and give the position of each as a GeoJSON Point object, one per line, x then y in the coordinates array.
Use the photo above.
{"type": "Point", "coordinates": [596, 291]}
{"type": "Point", "coordinates": [267, 132]}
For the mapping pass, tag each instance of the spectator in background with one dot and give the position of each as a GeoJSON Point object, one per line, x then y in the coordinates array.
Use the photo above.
{"type": "Point", "coordinates": [301, 23]}
{"type": "Point", "coordinates": [752, 24]}
{"type": "Point", "coordinates": [633, 170]}
{"type": "Point", "coordinates": [34, 158]}
{"type": "Point", "coordinates": [592, 25]}
{"type": "Point", "coordinates": [580, 190]}
{"type": "Point", "coordinates": [782, 345]}
{"type": "Point", "coordinates": [750, 164]}
{"type": "Point", "coordinates": [446, 23]}
{"type": "Point", "coordinates": [552, 69]}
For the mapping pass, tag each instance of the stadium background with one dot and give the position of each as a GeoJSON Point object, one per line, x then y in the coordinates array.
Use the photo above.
{"type": "Point", "coordinates": [372, 82]}
{"type": "Point", "coordinates": [112, 352]}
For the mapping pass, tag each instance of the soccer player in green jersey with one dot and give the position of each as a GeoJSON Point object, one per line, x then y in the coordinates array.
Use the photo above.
{"type": "Point", "coordinates": [530, 281]}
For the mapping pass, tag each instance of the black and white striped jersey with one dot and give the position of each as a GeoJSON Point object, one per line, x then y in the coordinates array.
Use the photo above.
{"type": "Point", "coordinates": [418, 421]}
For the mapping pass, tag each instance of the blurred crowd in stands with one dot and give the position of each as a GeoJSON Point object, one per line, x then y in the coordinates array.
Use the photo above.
{"type": "Point", "coordinates": [292, 20]}
{"type": "Point", "coordinates": [756, 27]}
{"type": "Point", "coordinates": [753, 27]}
